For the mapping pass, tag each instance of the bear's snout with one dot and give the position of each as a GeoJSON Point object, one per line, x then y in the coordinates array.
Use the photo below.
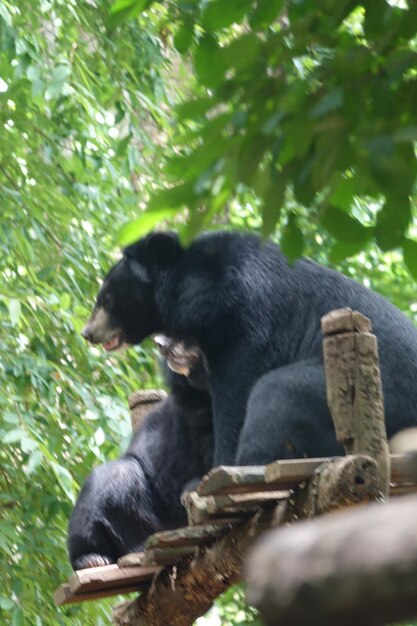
{"type": "Point", "coordinates": [86, 333]}
{"type": "Point", "coordinates": [98, 328]}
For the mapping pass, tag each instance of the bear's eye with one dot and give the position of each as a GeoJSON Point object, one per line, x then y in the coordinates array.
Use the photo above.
{"type": "Point", "coordinates": [106, 301]}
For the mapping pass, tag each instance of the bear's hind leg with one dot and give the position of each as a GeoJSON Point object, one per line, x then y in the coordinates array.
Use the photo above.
{"type": "Point", "coordinates": [287, 417]}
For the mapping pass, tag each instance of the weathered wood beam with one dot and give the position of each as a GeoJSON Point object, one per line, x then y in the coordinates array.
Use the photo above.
{"type": "Point", "coordinates": [404, 474]}
{"type": "Point", "coordinates": [202, 509]}
{"type": "Point", "coordinates": [225, 480]}
{"type": "Point", "coordinates": [99, 582]}
{"type": "Point", "coordinates": [356, 568]}
{"type": "Point", "coordinates": [88, 579]}
{"type": "Point", "coordinates": [179, 596]}
{"type": "Point", "coordinates": [230, 479]}
{"type": "Point", "coordinates": [64, 595]}
{"type": "Point", "coordinates": [185, 592]}
{"type": "Point", "coordinates": [354, 388]}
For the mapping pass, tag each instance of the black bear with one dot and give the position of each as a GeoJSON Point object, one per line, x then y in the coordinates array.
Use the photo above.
{"type": "Point", "coordinates": [124, 501]}
{"type": "Point", "coordinates": [257, 321]}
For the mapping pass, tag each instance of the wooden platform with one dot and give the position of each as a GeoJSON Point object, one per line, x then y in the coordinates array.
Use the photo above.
{"type": "Point", "coordinates": [224, 499]}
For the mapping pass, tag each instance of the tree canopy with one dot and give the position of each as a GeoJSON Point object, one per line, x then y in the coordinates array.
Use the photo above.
{"type": "Point", "coordinates": [293, 119]}
{"type": "Point", "coordinates": [309, 108]}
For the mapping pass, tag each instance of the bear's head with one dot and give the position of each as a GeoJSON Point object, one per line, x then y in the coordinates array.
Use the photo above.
{"type": "Point", "coordinates": [125, 312]}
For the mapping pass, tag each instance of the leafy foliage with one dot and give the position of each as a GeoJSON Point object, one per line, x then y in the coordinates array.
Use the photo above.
{"type": "Point", "coordinates": [78, 116]}
{"type": "Point", "coordinates": [294, 100]}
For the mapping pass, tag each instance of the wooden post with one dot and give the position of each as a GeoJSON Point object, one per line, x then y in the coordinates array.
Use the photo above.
{"type": "Point", "coordinates": [354, 389]}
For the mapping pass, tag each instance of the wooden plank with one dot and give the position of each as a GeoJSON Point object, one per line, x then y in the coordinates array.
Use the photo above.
{"type": "Point", "coordinates": [109, 576]}
{"type": "Point", "coordinates": [200, 509]}
{"type": "Point", "coordinates": [225, 479]}
{"type": "Point", "coordinates": [189, 535]}
{"type": "Point", "coordinates": [63, 595]}
{"type": "Point", "coordinates": [167, 556]}
{"type": "Point", "coordinates": [197, 510]}
{"type": "Point", "coordinates": [288, 474]}
{"type": "Point", "coordinates": [244, 501]}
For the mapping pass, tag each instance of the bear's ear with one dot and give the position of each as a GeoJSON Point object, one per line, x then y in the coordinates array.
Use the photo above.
{"type": "Point", "coordinates": [162, 249]}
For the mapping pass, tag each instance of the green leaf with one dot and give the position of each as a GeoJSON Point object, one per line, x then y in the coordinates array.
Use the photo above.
{"type": "Point", "coordinates": [342, 250]}
{"type": "Point", "coordinates": [14, 436]}
{"type": "Point", "coordinates": [194, 108]}
{"type": "Point", "coordinates": [219, 14]}
{"type": "Point", "coordinates": [122, 145]}
{"type": "Point", "coordinates": [58, 79]}
{"type": "Point", "coordinates": [11, 418]}
{"type": "Point", "coordinates": [6, 603]}
{"type": "Point", "coordinates": [344, 227]}
{"type": "Point", "coordinates": [392, 222]}
{"type": "Point", "coordinates": [292, 240]}
{"type": "Point", "coordinates": [18, 618]}
{"type": "Point", "coordinates": [242, 52]}
{"type": "Point", "coordinates": [410, 256]}
{"type": "Point", "coordinates": [249, 157]}
{"type": "Point", "coordinates": [65, 301]}
{"type": "Point", "coordinates": [64, 479]}
{"type": "Point", "coordinates": [273, 199]}
{"type": "Point", "coordinates": [123, 10]}
{"type": "Point", "coordinates": [208, 61]}
{"type": "Point", "coordinates": [272, 123]}
{"type": "Point", "coordinates": [331, 101]}
{"type": "Point", "coordinates": [342, 196]}
{"type": "Point", "coordinates": [408, 133]}
{"type": "Point", "coordinates": [182, 194]}
{"type": "Point", "coordinates": [141, 226]}
{"type": "Point", "coordinates": [265, 13]}
{"type": "Point", "coordinates": [183, 38]}
{"type": "Point", "coordinates": [28, 444]}
{"type": "Point", "coordinates": [392, 165]}
{"type": "Point", "coordinates": [15, 311]}
{"type": "Point", "coordinates": [4, 13]}
{"type": "Point", "coordinates": [200, 160]}
{"type": "Point", "coordinates": [121, 5]}
{"type": "Point", "coordinates": [304, 191]}
{"type": "Point", "coordinates": [33, 463]}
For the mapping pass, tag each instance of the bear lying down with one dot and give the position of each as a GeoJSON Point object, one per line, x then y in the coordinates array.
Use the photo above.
{"type": "Point", "coordinates": [257, 320]}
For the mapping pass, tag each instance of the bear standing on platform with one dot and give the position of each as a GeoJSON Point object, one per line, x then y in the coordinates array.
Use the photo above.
{"type": "Point", "coordinates": [257, 321]}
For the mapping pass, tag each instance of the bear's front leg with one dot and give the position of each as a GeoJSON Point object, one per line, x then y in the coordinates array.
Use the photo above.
{"type": "Point", "coordinates": [230, 384]}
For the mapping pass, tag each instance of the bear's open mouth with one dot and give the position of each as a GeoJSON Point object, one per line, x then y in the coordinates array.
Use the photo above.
{"type": "Point", "coordinates": [114, 342]}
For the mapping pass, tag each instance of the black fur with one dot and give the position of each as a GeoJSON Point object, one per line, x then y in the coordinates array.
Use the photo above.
{"type": "Point", "coordinates": [124, 501]}
{"type": "Point", "coordinates": [257, 320]}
